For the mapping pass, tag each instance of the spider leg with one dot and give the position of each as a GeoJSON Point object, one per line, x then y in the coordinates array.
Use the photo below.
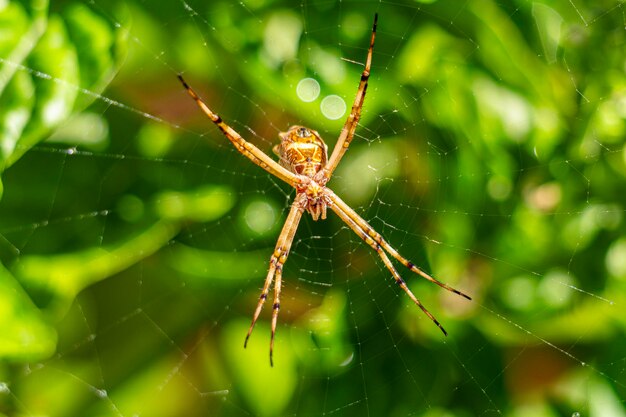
{"type": "Point", "coordinates": [347, 133]}
{"type": "Point", "coordinates": [263, 297]}
{"type": "Point", "coordinates": [246, 148]}
{"type": "Point", "coordinates": [277, 260]}
{"type": "Point", "coordinates": [382, 242]}
{"type": "Point", "coordinates": [275, 309]}
{"type": "Point", "coordinates": [377, 247]}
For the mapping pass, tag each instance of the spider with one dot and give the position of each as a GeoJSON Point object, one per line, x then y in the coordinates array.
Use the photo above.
{"type": "Point", "coordinates": [304, 164]}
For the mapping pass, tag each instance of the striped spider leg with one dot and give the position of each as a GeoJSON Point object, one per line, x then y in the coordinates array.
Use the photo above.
{"type": "Point", "coordinates": [246, 148]}
{"type": "Point", "coordinates": [380, 245]}
{"type": "Point", "coordinates": [301, 203]}
{"type": "Point", "coordinates": [277, 260]}
{"type": "Point", "coordinates": [347, 132]}
{"type": "Point", "coordinates": [304, 164]}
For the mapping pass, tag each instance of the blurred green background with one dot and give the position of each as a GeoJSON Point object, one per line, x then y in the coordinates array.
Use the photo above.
{"type": "Point", "coordinates": [134, 239]}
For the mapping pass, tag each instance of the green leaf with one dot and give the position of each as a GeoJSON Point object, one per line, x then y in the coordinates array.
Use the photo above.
{"type": "Point", "coordinates": [204, 204]}
{"type": "Point", "coordinates": [65, 275]}
{"type": "Point", "coordinates": [202, 266]}
{"type": "Point", "coordinates": [320, 338]}
{"type": "Point", "coordinates": [253, 377]}
{"type": "Point", "coordinates": [24, 335]}
{"type": "Point", "coordinates": [50, 68]}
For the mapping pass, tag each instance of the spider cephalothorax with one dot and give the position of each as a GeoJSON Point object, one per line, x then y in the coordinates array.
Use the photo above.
{"type": "Point", "coordinates": [305, 165]}
{"type": "Point", "coordinates": [317, 198]}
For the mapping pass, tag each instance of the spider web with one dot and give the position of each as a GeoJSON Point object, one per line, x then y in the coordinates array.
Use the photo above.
{"type": "Point", "coordinates": [458, 162]}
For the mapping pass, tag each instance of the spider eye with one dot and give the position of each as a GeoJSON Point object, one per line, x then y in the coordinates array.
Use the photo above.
{"type": "Point", "coordinates": [303, 132]}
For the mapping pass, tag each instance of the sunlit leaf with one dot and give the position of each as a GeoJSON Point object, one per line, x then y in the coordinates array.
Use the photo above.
{"type": "Point", "coordinates": [24, 334]}
{"type": "Point", "coordinates": [255, 380]}
{"type": "Point", "coordinates": [39, 93]}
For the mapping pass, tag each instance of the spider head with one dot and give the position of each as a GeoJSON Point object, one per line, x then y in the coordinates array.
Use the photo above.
{"type": "Point", "coordinates": [302, 150]}
{"type": "Point", "coordinates": [303, 132]}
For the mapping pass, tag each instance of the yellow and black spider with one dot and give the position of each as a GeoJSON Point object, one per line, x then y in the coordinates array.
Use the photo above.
{"type": "Point", "coordinates": [304, 164]}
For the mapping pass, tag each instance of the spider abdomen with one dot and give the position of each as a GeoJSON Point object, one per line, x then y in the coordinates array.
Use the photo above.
{"type": "Point", "coordinates": [302, 151]}
{"type": "Point", "coordinates": [305, 158]}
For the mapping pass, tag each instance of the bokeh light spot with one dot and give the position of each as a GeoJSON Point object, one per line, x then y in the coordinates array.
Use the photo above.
{"type": "Point", "coordinates": [260, 217]}
{"type": "Point", "coordinates": [333, 107]}
{"type": "Point", "coordinates": [308, 89]}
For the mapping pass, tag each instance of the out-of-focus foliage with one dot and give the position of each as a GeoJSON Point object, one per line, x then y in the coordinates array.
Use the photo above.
{"type": "Point", "coordinates": [49, 61]}
{"type": "Point", "coordinates": [46, 60]}
{"type": "Point", "coordinates": [133, 247]}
